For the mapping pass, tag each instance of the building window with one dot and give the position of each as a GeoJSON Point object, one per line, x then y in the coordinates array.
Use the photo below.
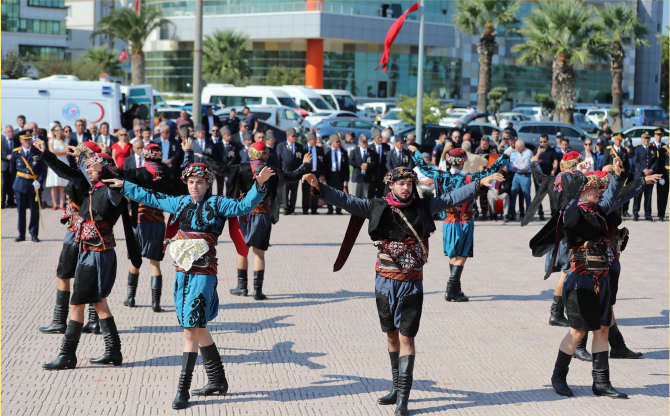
{"type": "Point", "coordinates": [54, 4]}
{"type": "Point", "coordinates": [40, 51]}
{"type": "Point", "coordinates": [12, 22]}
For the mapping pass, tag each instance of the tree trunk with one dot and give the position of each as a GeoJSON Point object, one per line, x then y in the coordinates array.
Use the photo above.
{"type": "Point", "coordinates": [564, 81]}
{"type": "Point", "coordinates": [616, 67]}
{"type": "Point", "coordinates": [486, 47]}
{"type": "Point", "coordinates": [137, 67]}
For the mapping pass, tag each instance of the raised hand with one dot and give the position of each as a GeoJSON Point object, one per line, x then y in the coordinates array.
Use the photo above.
{"type": "Point", "coordinates": [265, 174]}
{"type": "Point", "coordinates": [412, 148]}
{"type": "Point", "coordinates": [187, 144]}
{"type": "Point", "coordinates": [488, 181]}
{"type": "Point", "coordinates": [39, 144]}
{"type": "Point", "coordinates": [310, 178]}
{"type": "Point", "coordinates": [73, 151]}
{"type": "Point", "coordinates": [113, 183]}
{"type": "Point", "coordinates": [651, 179]}
{"type": "Point", "coordinates": [618, 164]}
{"type": "Point", "coordinates": [307, 158]}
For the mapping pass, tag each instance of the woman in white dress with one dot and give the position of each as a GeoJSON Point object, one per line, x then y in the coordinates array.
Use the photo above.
{"type": "Point", "coordinates": [57, 146]}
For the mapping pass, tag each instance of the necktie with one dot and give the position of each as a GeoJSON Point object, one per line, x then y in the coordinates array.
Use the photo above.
{"type": "Point", "coordinates": [292, 150]}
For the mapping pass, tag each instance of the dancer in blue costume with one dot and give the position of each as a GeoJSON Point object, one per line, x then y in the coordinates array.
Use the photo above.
{"type": "Point", "coordinates": [459, 227]}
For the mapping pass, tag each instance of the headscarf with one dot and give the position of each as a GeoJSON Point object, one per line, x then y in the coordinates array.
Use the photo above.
{"type": "Point", "coordinates": [456, 156]}
{"type": "Point", "coordinates": [197, 169]}
{"type": "Point", "coordinates": [107, 163]}
{"type": "Point", "coordinates": [597, 180]}
{"type": "Point", "coordinates": [258, 155]}
{"type": "Point", "coordinates": [89, 148]}
{"type": "Point", "coordinates": [570, 160]}
{"type": "Point", "coordinates": [152, 151]}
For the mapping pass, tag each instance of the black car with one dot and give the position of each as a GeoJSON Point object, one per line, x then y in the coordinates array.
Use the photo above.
{"type": "Point", "coordinates": [429, 135]}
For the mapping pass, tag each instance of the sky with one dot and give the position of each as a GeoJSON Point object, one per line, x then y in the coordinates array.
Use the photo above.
{"type": "Point", "coordinates": [666, 16]}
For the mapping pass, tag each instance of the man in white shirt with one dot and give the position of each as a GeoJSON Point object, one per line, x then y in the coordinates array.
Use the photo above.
{"type": "Point", "coordinates": [424, 185]}
{"type": "Point", "coordinates": [135, 160]}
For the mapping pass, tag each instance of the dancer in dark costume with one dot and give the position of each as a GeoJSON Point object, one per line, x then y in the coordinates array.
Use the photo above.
{"type": "Point", "coordinates": [399, 225]}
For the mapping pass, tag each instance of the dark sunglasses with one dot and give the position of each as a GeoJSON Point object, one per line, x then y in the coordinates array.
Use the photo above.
{"type": "Point", "coordinates": [588, 144]}
{"type": "Point", "coordinates": [122, 134]}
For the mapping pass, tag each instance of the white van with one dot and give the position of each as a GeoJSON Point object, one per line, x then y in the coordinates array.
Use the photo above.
{"type": "Point", "coordinates": [227, 95]}
{"type": "Point", "coordinates": [341, 100]}
{"type": "Point", "coordinates": [143, 95]}
{"type": "Point", "coordinates": [308, 99]}
{"type": "Point", "coordinates": [277, 115]}
{"type": "Point", "coordinates": [64, 99]}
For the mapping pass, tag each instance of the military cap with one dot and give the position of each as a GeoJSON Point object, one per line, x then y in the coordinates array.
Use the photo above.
{"type": "Point", "coordinates": [311, 136]}
{"type": "Point", "coordinates": [376, 132]}
{"type": "Point", "coordinates": [224, 130]}
{"type": "Point", "coordinates": [247, 136]}
{"type": "Point", "coordinates": [290, 131]}
{"type": "Point", "coordinates": [269, 134]}
{"type": "Point", "coordinates": [199, 127]}
{"type": "Point", "coordinates": [333, 138]}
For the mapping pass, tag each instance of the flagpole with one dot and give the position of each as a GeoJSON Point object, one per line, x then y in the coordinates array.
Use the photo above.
{"type": "Point", "coordinates": [419, 80]}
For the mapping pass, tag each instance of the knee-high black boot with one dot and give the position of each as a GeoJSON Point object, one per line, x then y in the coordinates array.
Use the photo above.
{"type": "Point", "coordinates": [93, 324]}
{"type": "Point", "coordinates": [187, 365]}
{"type": "Point", "coordinates": [618, 347]}
{"type": "Point", "coordinates": [559, 378]}
{"type": "Point", "coordinates": [581, 353]}
{"type": "Point", "coordinates": [67, 357]}
{"type": "Point", "coordinates": [601, 377]}
{"type": "Point", "coordinates": [405, 378]}
{"type": "Point", "coordinates": [259, 276]}
{"type": "Point", "coordinates": [454, 293]}
{"type": "Point", "coordinates": [557, 317]}
{"type": "Point", "coordinates": [242, 281]}
{"type": "Point", "coordinates": [59, 322]}
{"type": "Point", "coordinates": [132, 289]}
{"type": "Point", "coordinates": [156, 290]}
{"type": "Point", "coordinates": [216, 375]}
{"type": "Point", "coordinates": [392, 397]}
{"type": "Point", "coordinates": [112, 353]}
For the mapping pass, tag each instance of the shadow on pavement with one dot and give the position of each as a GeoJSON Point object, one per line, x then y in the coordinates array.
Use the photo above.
{"type": "Point", "coordinates": [544, 295]}
{"type": "Point", "coordinates": [281, 353]}
{"type": "Point", "coordinates": [651, 322]}
{"type": "Point", "coordinates": [239, 327]}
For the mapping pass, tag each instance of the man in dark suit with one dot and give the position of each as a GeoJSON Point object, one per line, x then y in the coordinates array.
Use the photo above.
{"type": "Point", "coordinates": [171, 149]}
{"type": "Point", "coordinates": [232, 122]}
{"type": "Point", "coordinates": [271, 144]}
{"type": "Point", "coordinates": [336, 163]}
{"type": "Point", "coordinates": [645, 163]}
{"type": "Point", "coordinates": [364, 161]}
{"type": "Point", "coordinates": [377, 183]}
{"type": "Point", "coordinates": [309, 202]}
{"type": "Point", "coordinates": [106, 138]}
{"type": "Point", "coordinates": [79, 134]}
{"type": "Point", "coordinates": [399, 156]}
{"type": "Point", "coordinates": [209, 120]}
{"type": "Point", "coordinates": [8, 146]}
{"type": "Point", "coordinates": [201, 144]}
{"type": "Point", "coordinates": [611, 153]}
{"type": "Point", "coordinates": [30, 170]}
{"type": "Point", "coordinates": [662, 157]}
{"type": "Point", "coordinates": [290, 156]}
{"type": "Point", "coordinates": [248, 140]}
{"type": "Point", "coordinates": [135, 159]}
{"type": "Point", "coordinates": [227, 154]}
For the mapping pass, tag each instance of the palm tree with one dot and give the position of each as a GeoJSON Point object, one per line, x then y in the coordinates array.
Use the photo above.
{"type": "Point", "coordinates": [564, 33]}
{"type": "Point", "coordinates": [134, 29]}
{"type": "Point", "coordinates": [485, 16]}
{"type": "Point", "coordinates": [619, 24]}
{"type": "Point", "coordinates": [224, 57]}
{"type": "Point", "coordinates": [107, 58]}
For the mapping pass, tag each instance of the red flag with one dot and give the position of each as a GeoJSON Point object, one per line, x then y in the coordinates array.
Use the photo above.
{"type": "Point", "coordinates": [123, 56]}
{"type": "Point", "coordinates": [392, 33]}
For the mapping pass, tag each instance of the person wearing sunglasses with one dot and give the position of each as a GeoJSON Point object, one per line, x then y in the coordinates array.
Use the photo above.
{"type": "Point", "coordinates": [591, 155]}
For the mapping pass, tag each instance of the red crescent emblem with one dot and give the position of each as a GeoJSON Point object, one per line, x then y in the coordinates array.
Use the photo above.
{"type": "Point", "coordinates": [102, 112]}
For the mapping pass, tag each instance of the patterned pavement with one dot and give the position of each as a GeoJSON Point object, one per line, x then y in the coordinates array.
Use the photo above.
{"type": "Point", "coordinates": [315, 347]}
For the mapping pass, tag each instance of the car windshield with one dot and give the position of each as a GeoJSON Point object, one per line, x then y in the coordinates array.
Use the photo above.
{"type": "Point", "coordinates": [654, 113]}
{"type": "Point", "coordinates": [288, 102]}
{"type": "Point", "coordinates": [391, 115]}
{"type": "Point", "coordinates": [320, 104]}
{"type": "Point", "coordinates": [346, 102]}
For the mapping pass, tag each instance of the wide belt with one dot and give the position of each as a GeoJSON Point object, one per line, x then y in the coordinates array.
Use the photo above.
{"type": "Point", "coordinates": [25, 175]}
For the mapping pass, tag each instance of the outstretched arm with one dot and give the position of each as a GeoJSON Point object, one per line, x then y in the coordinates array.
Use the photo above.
{"type": "Point", "coordinates": [433, 174]}
{"type": "Point", "coordinates": [145, 196]}
{"type": "Point", "coordinates": [355, 206]}
{"type": "Point", "coordinates": [296, 174]}
{"type": "Point", "coordinates": [464, 194]}
{"type": "Point", "coordinates": [228, 207]}
{"type": "Point", "coordinates": [497, 166]}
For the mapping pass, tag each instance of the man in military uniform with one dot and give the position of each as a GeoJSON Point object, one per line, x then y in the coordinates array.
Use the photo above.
{"type": "Point", "coordinates": [645, 164]}
{"type": "Point", "coordinates": [30, 170]}
{"type": "Point", "coordinates": [611, 153]}
{"type": "Point", "coordinates": [662, 166]}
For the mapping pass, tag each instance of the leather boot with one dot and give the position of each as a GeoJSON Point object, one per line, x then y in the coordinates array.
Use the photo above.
{"type": "Point", "coordinates": [67, 357]}
{"type": "Point", "coordinates": [132, 289]}
{"type": "Point", "coordinates": [558, 379]}
{"type": "Point", "coordinates": [59, 322]}
{"type": "Point", "coordinates": [216, 375]}
{"type": "Point", "coordinates": [392, 397]}
{"type": "Point", "coordinates": [454, 293]}
{"type": "Point", "coordinates": [259, 275]}
{"type": "Point", "coordinates": [242, 280]}
{"type": "Point", "coordinates": [557, 317]}
{"type": "Point", "coordinates": [112, 353]}
{"type": "Point", "coordinates": [93, 324]}
{"type": "Point", "coordinates": [405, 378]}
{"type": "Point", "coordinates": [581, 353]}
{"type": "Point", "coordinates": [601, 377]}
{"type": "Point", "coordinates": [187, 365]}
{"type": "Point", "coordinates": [156, 289]}
{"type": "Point", "coordinates": [618, 345]}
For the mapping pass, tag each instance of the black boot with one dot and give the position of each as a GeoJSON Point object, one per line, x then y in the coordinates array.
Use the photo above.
{"type": "Point", "coordinates": [392, 397]}
{"type": "Point", "coordinates": [557, 317]}
{"type": "Point", "coordinates": [132, 288]}
{"type": "Point", "coordinates": [112, 353]}
{"type": "Point", "coordinates": [405, 370]}
{"type": "Point", "coordinates": [618, 345]}
{"type": "Point", "coordinates": [187, 365]}
{"type": "Point", "coordinates": [59, 322]}
{"type": "Point", "coordinates": [216, 376]}
{"type": "Point", "coordinates": [67, 357]}
{"type": "Point", "coordinates": [558, 379]}
{"type": "Point", "coordinates": [259, 275]}
{"type": "Point", "coordinates": [581, 353]}
{"type": "Point", "coordinates": [454, 293]}
{"type": "Point", "coordinates": [156, 289]}
{"type": "Point", "coordinates": [92, 326]}
{"type": "Point", "coordinates": [601, 377]}
{"type": "Point", "coordinates": [242, 281]}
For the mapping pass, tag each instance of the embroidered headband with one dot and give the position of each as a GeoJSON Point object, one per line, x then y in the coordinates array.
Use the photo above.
{"type": "Point", "coordinates": [599, 180]}
{"type": "Point", "coordinates": [152, 152]}
{"type": "Point", "coordinates": [88, 148]}
{"type": "Point", "coordinates": [197, 169]}
{"type": "Point", "coordinates": [106, 161]}
{"type": "Point", "coordinates": [399, 174]}
{"type": "Point", "coordinates": [570, 161]}
{"type": "Point", "coordinates": [456, 156]}
{"type": "Point", "coordinates": [258, 151]}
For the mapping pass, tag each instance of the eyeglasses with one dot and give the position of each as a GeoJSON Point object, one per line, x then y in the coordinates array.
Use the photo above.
{"type": "Point", "coordinates": [588, 144]}
{"type": "Point", "coordinates": [122, 134]}
{"type": "Point", "coordinates": [213, 130]}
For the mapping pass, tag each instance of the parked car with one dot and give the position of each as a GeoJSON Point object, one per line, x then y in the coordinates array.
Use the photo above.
{"type": "Point", "coordinates": [530, 131]}
{"type": "Point", "coordinates": [227, 95]}
{"type": "Point", "coordinates": [277, 115]}
{"type": "Point", "coordinates": [343, 125]}
{"type": "Point", "coordinates": [381, 108]}
{"type": "Point", "coordinates": [391, 120]}
{"type": "Point", "coordinates": [171, 112]}
{"type": "Point", "coordinates": [585, 124]}
{"type": "Point", "coordinates": [599, 115]}
{"type": "Point", "coordinates": [644, 116]}
{"type": "Point", "coordinates": [430, 133]}
{"type": "Point", "coordinates": [318, 118]}
{"type": "Point", "coordinates": [635, 134]}
{"type": "Point", "coordinates": [506, 117]}
{"type": "Point", "coordinates": [535, 112]}
{"type": "Point", "coordinates": [369, 113]}
{"type": "Point", "coordinates": [340, 100]}
{"type": "Point", "coordinates": [463, 120]}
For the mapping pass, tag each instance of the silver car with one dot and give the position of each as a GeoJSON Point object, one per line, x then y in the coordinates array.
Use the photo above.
{"type": "Point", "coordinates": [343, 125]}
{"type": "Point", "coordinates": [530, 132]}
